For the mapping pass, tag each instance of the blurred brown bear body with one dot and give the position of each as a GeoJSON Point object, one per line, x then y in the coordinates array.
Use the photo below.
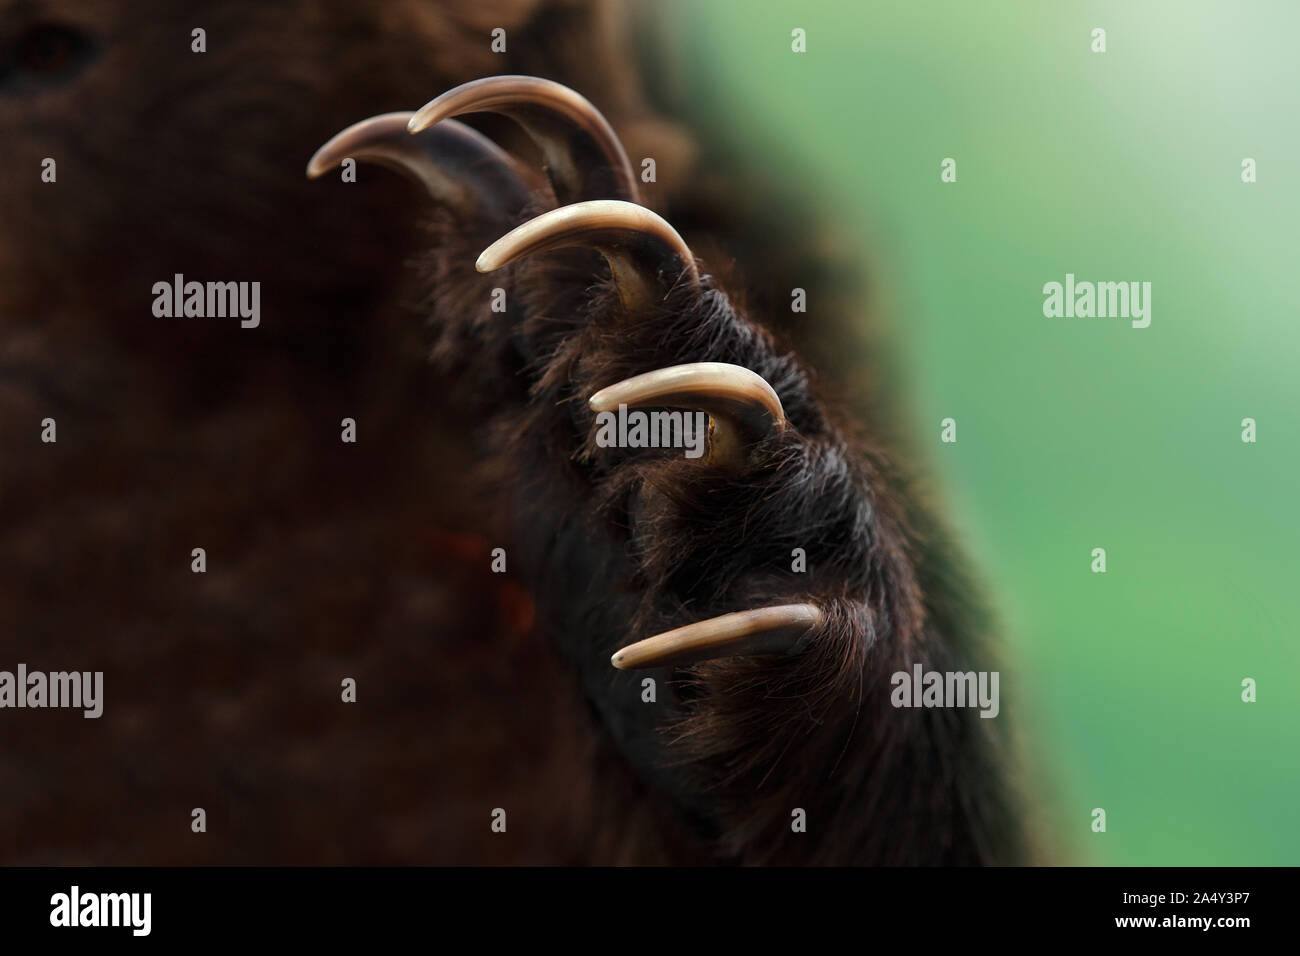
{"type": "Point", "coordinates": [325, 560]}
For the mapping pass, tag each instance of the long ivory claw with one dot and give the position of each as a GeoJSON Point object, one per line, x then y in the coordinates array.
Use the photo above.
{"type": "Point", "coordinates": [584, 159]}
{"type": "Point", "coordinates": [742, 405]}
{"type": "Point", "coordinates": [645, 254]}
{"type": "Point", "coordinates": [768, 630]}
{"type": "Point", "coordinates": [457, 165]}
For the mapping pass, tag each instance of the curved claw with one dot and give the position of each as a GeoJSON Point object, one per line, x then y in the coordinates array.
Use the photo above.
{"type": "Point", "coordinates": [744, 408]}
{"type": "Point", "coordinates": [584, 159]}
{"type": "Point", "coordinates": [459, 166]}
{"type": "Point", "coordinates": [645, 254]}
{"type": "Point", "coordinates": [768, 630]}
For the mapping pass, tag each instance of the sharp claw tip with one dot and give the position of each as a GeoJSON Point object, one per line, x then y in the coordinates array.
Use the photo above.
{"type": "Point", "coordinates": [321, 162]}
{"type": "Point", "coordinates": [617, 660]}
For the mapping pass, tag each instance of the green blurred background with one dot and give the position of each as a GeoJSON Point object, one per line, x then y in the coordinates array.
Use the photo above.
{"type": "Point", "coordinates": [1081, 433]}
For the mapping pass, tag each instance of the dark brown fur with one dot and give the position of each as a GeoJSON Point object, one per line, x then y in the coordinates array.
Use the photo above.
{"type": "Point", "coordinates": [371, 561]}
